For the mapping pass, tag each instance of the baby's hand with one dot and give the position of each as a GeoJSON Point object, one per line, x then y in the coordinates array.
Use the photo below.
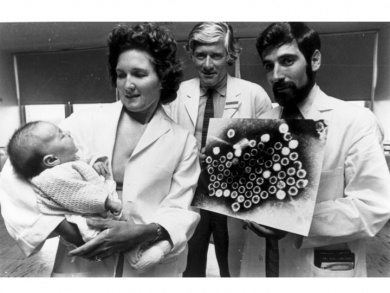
{"type": "Point", "coordinates": [114, 206]}
{"type": "Point", "coordinates": [101, 168]}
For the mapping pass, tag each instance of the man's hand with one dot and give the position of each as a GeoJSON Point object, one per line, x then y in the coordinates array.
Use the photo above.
{"type": "Point", "coordinates": [202, 156]}
{"type": "Point", "coordinates": [264, 231]}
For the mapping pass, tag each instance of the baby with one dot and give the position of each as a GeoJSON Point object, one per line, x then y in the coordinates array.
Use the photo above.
{"type": "Point", "coordinates": [65, 183]}
{"type": "Point", "coordinates": [70, 183]}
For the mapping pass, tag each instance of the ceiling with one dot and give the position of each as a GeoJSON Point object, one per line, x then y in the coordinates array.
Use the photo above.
{"type": "Point", "coordinates": [53, 36]}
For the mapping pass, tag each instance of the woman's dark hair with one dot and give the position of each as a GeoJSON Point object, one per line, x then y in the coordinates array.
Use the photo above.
{"type": "Point", "coordinates": [281, 33]}
{"type": "Point", "coordinates": [23, 155]}
{"type": "Point", "coordinates": [159, 43]}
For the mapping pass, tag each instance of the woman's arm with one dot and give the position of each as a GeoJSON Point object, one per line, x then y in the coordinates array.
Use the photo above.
{"type": "Point", "coordinates": [117, 236]}
{"type": "Point", "coordinates": [174, 212]}
{"type": "Point", "coordinates": [24, 222]}
{"type": "Point", "coordinates": [177, 221]}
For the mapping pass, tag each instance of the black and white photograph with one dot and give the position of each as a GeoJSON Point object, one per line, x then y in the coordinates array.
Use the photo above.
{"type": "Point", "coordinates": [265, 171]}
{"type": "Point", "coordinates": [186, 142]}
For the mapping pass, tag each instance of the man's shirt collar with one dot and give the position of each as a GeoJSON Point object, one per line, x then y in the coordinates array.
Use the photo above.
{"type": "Point", "coordinates": [220, 89]}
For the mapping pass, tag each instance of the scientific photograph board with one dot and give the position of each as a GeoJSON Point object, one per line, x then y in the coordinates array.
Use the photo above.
{"type": "Point", "coordinates": [263, 170]}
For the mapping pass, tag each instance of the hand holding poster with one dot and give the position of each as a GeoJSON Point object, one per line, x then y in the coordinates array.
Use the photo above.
{"type": "Point", "coordinates": [266, 171]}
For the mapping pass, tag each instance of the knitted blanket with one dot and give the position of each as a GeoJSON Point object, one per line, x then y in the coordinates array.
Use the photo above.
{"type": "Point", "coordinates": [70, 188]}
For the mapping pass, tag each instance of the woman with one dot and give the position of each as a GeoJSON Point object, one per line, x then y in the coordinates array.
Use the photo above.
{"type": "Point", "coordinates": [153, 159]}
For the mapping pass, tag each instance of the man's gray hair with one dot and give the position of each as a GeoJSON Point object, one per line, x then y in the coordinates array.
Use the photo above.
{"type": "Point", "coordinates": [212, 32]}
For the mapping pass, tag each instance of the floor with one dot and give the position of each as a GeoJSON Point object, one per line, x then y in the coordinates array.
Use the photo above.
{"type": "Point", "coordinates": [378, 254]}
{"type": "Point", "coordinates": [14, 264]}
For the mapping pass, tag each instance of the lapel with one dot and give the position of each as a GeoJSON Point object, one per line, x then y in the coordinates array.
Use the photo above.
{"type": "Point", "coordinates": [108, 129]}
{"type": "Point", "coordinates": [322, 107]}
{"type": "Point", "coordinates": [159, 125]}
{"type": "Point", "coordinates": [233, 93]}
{"type": "Point", "coordinates": [274, 113]}
{"type": "Point", "coordinates": [191, 100]}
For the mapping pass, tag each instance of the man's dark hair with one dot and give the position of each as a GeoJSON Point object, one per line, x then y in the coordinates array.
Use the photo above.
{"type": "Point", "coordinates": [23, 155]}
{"type": "Point", "coordinates": [156, 41]}
{"type": "Point", "coordinates": [281, 33]}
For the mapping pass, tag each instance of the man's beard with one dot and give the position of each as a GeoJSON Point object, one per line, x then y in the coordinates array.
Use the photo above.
{"type": "Point", "coordinates": [288, 94]}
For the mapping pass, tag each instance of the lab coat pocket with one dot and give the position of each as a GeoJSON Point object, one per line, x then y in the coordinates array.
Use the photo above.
{"type": "Point", "coordinates": [322, 273]}
{"type": "Point", "coordinates": [330, 183]}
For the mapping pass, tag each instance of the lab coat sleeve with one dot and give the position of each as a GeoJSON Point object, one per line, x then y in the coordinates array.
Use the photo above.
{"type": "Point", "coordinates": [82, 132]}
{"type": "Point", "coordinates": [174, 213]}
{"type": "Point", "coordinates": [81, 128]}
{"type": "Point", "coordinates": [364, 207]}
{"type": "Point", "coordinates": [262, 101]}
{"type": "Point", "coordinates": [26, 225]}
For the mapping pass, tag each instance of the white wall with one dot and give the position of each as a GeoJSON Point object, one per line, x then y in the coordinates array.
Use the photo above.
{"type": "Point", "coordinates": [382, 91]}
{"type": "Point", "coordinates": [9, 122]}
{"type": "Point", "coordinates": [9, 111]}
{"type": "Point", "coordinates": [382, 111]}
{"type": "Point", "coordinates": [9, 114]}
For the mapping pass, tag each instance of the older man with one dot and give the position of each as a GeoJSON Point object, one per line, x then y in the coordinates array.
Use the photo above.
{"type": "Point", "coordinates": [213, 94]}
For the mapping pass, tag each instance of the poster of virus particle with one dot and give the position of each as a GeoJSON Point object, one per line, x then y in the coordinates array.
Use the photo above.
{"type": "Point", "coordinates": [263, 170]}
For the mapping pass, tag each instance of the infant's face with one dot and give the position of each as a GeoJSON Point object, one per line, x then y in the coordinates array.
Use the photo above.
{"type": "Point", "coordinates": [54, 141]}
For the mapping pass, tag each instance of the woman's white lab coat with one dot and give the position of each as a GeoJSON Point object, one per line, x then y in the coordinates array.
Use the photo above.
{"type": "Point", "coordinates": [160, 179]}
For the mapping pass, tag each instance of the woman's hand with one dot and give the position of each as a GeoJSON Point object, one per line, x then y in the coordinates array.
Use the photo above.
{"type": "Point", "coordinates": [116, 236]}
{"type": "Point", "coordinates": [264, 231]}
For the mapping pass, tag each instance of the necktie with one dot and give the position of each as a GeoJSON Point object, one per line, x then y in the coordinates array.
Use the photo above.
{"type": "Point", "coordinates": [271, 258]}
{"type": "Point", "coordinates": [208, 113]}
{"type": "Point", "coordinates": [119, 266]}
{"type": "Point", "coordinates": [291, 112]}
{"type": "Point", "coordinates": [272, 245]}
